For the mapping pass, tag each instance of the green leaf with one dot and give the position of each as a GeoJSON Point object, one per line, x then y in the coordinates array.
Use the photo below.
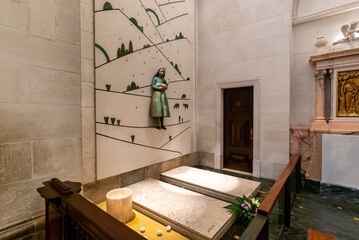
{"type": "Point", "coordinates": [234, 209]}
{"type": "Point", "coordinates": [240, 200]}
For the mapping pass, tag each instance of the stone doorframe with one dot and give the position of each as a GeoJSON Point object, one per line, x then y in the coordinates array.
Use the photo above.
{"type": "Point", "coordinates": [218, 155]}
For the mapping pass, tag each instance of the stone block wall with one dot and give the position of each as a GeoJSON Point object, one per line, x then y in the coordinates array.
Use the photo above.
{"type": "Point", "coordinates": [88, 96]}
{"type": "Point", "coordinates": [240, 42]}
{"type": "Point", "coordinates": [40, 103]}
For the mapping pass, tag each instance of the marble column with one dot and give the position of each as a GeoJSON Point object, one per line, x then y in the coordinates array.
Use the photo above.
{"type": "Point", "coordinates": [319, 94]}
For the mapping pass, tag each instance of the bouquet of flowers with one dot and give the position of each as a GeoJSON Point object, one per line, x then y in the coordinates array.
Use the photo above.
{"type": "Point", "coordinates": [245, 210]}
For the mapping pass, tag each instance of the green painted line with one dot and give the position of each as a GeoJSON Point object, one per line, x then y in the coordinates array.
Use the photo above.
{"type": "Point", "coordinates": [103, 51]}
{"type": "Point", "coordinates": [150, 10]}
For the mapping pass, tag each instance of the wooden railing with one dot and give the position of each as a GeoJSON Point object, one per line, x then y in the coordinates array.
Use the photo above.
{"type": "Point", "coordinates": [259, 227]}
{"type": "Point", "coordinates": [71, 216]}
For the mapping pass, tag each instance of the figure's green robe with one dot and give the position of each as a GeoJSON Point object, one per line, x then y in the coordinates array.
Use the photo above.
{"type": "Point", "coordinates": [159, 104]}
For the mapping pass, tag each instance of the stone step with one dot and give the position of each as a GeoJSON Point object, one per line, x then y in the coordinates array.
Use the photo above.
{"type": "Point", "coordinates": [192, 214]}
{"type": "Point", "coordinates": [210, 183]}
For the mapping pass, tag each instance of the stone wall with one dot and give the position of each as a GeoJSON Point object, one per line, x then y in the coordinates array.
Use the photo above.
{"type": "Point", "coordinates": [88, 96]}
{"type": "Point", "coordinates": [340, 160]}
{"type": "Point", "coordinates": [40, 102]}
{"type": "Point", "coordinates": [239, 43]}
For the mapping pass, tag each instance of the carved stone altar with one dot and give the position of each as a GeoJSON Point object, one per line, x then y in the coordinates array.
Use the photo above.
{"type": "Point", "coordinates": [336, 101]}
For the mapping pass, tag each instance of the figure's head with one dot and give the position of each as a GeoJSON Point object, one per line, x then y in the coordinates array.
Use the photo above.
{"type": "Point", "coordinates": [161, 72]}
{"type": "Point", "coordinates": [353, 25]}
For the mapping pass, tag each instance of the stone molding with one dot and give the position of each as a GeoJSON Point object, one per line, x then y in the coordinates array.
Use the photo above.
{"type": "Point", "coordinates": [327, 64]}
{"type": "Point", "coordinates": [26, 228]}
{"type": "Point", "coordinates": [319, 15]}
{"type": "Point", "coordinates": [336, 59]}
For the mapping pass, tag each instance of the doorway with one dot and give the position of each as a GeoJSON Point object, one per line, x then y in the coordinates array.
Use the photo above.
{"type": "Point", "coordinates": [238, 129]}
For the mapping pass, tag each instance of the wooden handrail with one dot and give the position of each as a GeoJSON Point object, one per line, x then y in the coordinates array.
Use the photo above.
{"type": "Point", "coordinates": [269, 201]}
{"type": "Point", "coordinates": [258, 229]}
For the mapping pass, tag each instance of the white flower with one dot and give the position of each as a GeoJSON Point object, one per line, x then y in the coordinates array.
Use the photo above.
{"type": "Point", "coordinates": [255, 201]}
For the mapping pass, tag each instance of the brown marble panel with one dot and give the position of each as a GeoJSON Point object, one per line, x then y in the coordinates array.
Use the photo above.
{"type": "Point", "coordinates": [190, 159]}
{"type": "Point", "coordinates": [133, 177]}
{"type": "Point", "coordinates": [170, 164]}
{"type": "Point", "coordinates": [96, 192]}
{"type": "Point", "coordinates": [206, 159]}
{"type": "Point", "coordinates": [315, 166]}
{"type": "Point", "coordinates": [301, 142]}
{"type": "Point", "coordinates": [154, 171]}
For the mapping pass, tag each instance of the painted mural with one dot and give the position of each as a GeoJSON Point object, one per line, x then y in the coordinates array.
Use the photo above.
{"type": "Point", "coordinates": [133, 39]}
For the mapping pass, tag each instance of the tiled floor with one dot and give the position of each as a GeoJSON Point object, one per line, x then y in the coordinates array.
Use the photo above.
{"type": "Point", "coordinates": [324, 213]}
{"type": "Point", "coordinates": [333, 210]}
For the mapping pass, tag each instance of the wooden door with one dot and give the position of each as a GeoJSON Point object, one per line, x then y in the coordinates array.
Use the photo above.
{"type": "Point", "coordinates": [238, 129]}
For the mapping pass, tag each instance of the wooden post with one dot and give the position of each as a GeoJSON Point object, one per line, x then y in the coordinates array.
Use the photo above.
{"type": "Point", "coordinates": [257, 229]}
{"type": "Point", "coordinates": [298, 177]}
{"type": "Point", "coordinates": [264, 234]}
{"type": "Point", "coordinates": [287, 207]}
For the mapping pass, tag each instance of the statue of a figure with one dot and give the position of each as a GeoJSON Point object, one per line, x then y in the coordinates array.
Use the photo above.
{"type": "Point", "coordinates": [350, 30]}
{"type": "Point", "coordinates": [351, 97]}
{"type": "Point", "coordinates": [159, 104]}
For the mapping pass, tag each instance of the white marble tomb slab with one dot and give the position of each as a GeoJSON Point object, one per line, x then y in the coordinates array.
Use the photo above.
{"type": "Point", "coordinates": [214, 184]}
{"type": "Point", "coordinates": [192, 214]}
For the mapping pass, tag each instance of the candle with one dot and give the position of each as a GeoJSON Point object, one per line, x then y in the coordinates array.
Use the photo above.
{"type": "Point", "coordinates": [119, 204]}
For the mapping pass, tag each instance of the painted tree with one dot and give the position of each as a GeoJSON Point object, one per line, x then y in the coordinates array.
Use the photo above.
{"type": "Point", "coordinates": [123, 50]}
{"type": "Point", "coordinates": [118, 52]}
{"type": "Point", "coordinates": [130, 47]}
{"type": "Point", "coordinates": [107, 6]}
